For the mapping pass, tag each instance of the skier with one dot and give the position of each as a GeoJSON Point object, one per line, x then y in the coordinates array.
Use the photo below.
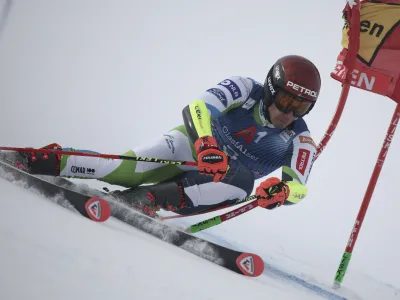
{"type": "Point", "coordinates": [238, 131]}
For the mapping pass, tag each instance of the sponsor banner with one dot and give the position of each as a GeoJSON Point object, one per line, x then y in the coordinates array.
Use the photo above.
{"type": "Point", "coordinates": [377, 23]}
{"type": "Point", "coordinates": [362, 77]}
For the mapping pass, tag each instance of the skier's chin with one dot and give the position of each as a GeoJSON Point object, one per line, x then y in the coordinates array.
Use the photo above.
{"type": "Point", "coordinates": [280, 123]}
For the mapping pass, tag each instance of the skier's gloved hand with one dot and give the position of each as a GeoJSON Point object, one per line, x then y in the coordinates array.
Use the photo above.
{"type": "Point", "coordinates": [211, 160]}
{"type": "Point", "coordinates": [272, 193]}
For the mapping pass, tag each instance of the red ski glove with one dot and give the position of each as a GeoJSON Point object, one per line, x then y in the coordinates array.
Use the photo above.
{"type": "Point", "coordinates": [211, 160]}
{"type": "Point", "coordinates": [272, 192]}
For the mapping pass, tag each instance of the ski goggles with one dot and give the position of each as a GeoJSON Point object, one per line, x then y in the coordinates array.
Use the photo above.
{"type": "Point", "coordinates": [286, 102]}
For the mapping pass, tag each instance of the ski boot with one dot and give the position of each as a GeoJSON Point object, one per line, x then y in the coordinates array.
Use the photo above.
{"type": "Point", "coordinates": [150, 199]}
{"type": "Point", "coordinates": [35, 162]}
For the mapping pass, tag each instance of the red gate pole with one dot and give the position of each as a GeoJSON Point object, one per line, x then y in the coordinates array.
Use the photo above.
{"type": "Point", "coordinates": [335, 120]}
{"type": "Point", "coordinates": [367, 198]}
{"type": "Point", "coordinates": [353, 14]}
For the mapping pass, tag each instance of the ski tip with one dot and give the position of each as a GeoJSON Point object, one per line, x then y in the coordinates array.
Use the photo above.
{"type": "Point", "coordinates": [250, 264]}
{"type": "Point", "coordinates": [97, 209]}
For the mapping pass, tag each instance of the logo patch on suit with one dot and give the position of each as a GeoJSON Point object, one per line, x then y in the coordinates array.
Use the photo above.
{"type": "Point", "coordinates": [247, 134]}
{"type": "Point", "coordinates": [220, 95]}
{"type": "Point", "coordinates": [82, 170]}
{"type": "Point", "coordinates": [249, 104]}
{"type": "Point", "coordinates": [232, 88]}
{"type": "Point", "coordinates": [287, 135]}
{"type": "Point", "coordinates": [302, 160]}
{"type": "Point", "coordinates": [307, 140]}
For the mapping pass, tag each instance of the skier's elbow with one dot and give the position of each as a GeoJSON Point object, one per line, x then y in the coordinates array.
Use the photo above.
{"type": "Point", "coordinates": [197, 120]}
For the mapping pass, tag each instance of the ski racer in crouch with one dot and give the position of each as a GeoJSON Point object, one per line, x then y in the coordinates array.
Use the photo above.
{"type": "Point", "coordinates": [237, 131]}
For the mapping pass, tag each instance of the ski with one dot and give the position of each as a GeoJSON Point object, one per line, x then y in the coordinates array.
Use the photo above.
{"type": "Point", "coordinates": [100, 208]}
{"type": "Point", "coordinates": [93, 208]}
{"type": "Point", "coordinates": [243, 263]}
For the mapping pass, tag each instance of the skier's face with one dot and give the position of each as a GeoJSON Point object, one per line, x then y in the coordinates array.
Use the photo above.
{"type": "Point", "coordinates": [280, 119]}
{"type": "Point", "coordinates": [286, 102]}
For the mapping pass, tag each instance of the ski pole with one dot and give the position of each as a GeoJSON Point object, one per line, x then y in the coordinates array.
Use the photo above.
{"type": "Point", "coordinates": [239, 201]}
{"type": "Point", "coordinates": [222, 218]}
{"type": "Point", "coordinates": [111, 156]}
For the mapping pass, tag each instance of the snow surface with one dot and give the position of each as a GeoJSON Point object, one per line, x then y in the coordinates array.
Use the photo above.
{"type": "Point", "coordinates": [48, 252]}
{"type": "Point", "coordinates": [51, 252]}
{"type": "Point", "coordinates": [111, 75]}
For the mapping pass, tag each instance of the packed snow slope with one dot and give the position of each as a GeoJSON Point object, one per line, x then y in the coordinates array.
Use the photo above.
{"type": "Point", "coordinates": [112, 75]}
{"type": "Point", "coordinates": [49, 252]}
{"type": "Point", "coordinates": [57, 254]}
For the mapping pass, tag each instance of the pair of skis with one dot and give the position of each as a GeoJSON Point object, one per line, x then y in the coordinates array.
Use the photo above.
{"type": "Point", "coordinates": [99, 210]}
